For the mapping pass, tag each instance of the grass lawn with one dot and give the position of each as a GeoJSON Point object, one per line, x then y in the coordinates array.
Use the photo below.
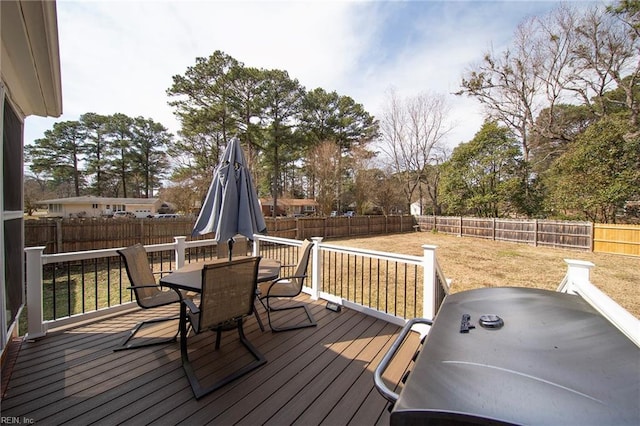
{"type": "Point", "coordinates": [473, 263]}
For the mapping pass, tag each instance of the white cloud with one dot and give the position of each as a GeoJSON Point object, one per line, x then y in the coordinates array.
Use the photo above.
{"type": "Point", "coordinates": [119, 56]}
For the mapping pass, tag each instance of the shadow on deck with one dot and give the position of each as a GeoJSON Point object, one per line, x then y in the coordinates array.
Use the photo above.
{"type": "Point", "coordinates": [313, 376]}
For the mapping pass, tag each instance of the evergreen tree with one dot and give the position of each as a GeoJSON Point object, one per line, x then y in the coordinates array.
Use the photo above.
{"type": "Point", "coordinates": [59, 154]}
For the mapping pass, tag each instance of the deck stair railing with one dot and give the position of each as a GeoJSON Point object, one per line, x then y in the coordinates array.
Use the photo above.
{"type": "Point", "coordinates": [85, 285]}
{"type": "Point", "coordinates": [577, 281]}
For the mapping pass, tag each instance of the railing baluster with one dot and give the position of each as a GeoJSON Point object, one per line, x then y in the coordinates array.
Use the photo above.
{"type": "Point", "coordinates": [386, 288]}
{"type": "Point", "coordinates": [69, 288]}
{"type": "Point", "coordinates": [336, 276]}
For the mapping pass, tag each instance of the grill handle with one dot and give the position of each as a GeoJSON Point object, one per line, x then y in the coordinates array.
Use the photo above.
{"type": "Point", "coordinates": [389, 395]}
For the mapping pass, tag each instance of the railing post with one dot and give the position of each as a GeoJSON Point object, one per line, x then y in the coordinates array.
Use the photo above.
{"type": "Point", "coordinates": [429, 281]}
{"type": "Point", "coordinates": [181, 243]}
{"type": "Point", "coordinates": [316, 268]}
{"type": "Point", "coordinates": [578, 271]}
{"type": "Point", "coordinates": [35, 326]}
{"type": "Point", "coordinates": [256, 245]}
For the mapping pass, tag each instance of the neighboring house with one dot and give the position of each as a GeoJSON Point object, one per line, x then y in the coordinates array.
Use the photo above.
{"type": "Point", "coordinates": [416, 208]}
{"type": "Point", "coordinates": [289, 206]}
{"type": "Point", "coordinates": [30, 85]}
{"type": "Point", "coordinates": [90, 206]}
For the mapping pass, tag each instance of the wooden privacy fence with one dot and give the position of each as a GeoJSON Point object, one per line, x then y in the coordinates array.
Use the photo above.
{"type": "Point", "coordinates": [334, 227]}
{"type": "Point", "coordinates": [65, 235]}
{"type": "Point", "coordinates": [616, 239]}
{"type": "Point", "coordinates": [550, 233]}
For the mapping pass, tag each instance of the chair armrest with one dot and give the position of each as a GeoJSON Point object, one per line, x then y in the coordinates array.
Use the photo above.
{"type": "Point", "coordinates": [192, 306]}
{"type": "Point", "coordinates": [161, 273]}
{"type": "Point", "coordinates": [289, 277]}
{"type": "Point", "coordinates": [133, 287]}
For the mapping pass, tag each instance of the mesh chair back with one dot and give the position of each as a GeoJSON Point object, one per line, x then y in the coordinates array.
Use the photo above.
{"type": "Point", "coordinates": [303, 262]}
{"type": "Point", "coordinates": [140, 274]}
{"type": "Point", "coordinates": [240, 248]}
{"type": "Point", "coordinates": [228, 291]}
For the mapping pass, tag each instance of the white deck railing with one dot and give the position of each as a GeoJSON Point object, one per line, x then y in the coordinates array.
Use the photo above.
{"type": "Point", "coordinates": [434, 284]}
{"type": "Point", "coordinates": [36, 260]}
{"type": "Point", "coordinates": [577, 281]}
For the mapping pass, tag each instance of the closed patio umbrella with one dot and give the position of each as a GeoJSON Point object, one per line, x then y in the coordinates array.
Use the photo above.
{"type": "Point", "coordinates": [231, 206]}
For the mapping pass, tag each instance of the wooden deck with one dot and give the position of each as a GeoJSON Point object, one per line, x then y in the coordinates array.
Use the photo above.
{"type": "Point", "coordinates": [313, 376]}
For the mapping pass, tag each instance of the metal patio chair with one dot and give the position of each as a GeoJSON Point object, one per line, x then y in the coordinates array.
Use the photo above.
{"type": "Point", "coordinates": [240, 247]}
{"type": "Point", "coordinates": [147, 292]}
{"type": "Point", "coordinates": [288, 287]}
{"type": "Point", "coordinates": [228, 295]}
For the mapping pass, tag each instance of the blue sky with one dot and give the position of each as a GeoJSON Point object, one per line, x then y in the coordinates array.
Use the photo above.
{"type": "Point", "coordinates": [119, 56]}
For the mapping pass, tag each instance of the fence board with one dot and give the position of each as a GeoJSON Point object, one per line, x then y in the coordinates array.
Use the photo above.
{"type": "Point", "coordinates": [617, 239]}
{"type": "Point", "coordinates": [564, 234]}
{"type": "Point", "coordinates": [64, 235]}
{"type": "Point", "coordinates": [521, 231]}
{"type": "Point", "coordinates": [576, 235]}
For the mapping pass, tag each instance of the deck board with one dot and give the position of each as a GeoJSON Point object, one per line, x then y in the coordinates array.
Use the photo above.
{"type": "Point", "coordinates": [320, 375]}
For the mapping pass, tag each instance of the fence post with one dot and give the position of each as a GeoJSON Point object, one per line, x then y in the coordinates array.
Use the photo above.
{"type": "Point", "coordinates": [493, 228]}
{"type": "Point", "coordinates": [429, 281]}
{"type": "Point", "coordinates": [180, 243]}
{"type": "Point", "coordinates": [59, 248]}
{"type": "Point", "coordinates": [316, 268]}
{"type": "Point", "coordinates": [35, 325]}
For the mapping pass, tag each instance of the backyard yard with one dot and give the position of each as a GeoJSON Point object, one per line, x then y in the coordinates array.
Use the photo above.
{"type": "Point", "coordinates": [473, 263]}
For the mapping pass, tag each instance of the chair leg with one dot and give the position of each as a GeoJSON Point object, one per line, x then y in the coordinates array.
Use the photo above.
{"type": "Point", "coordinates": [270, 309]}
{"type": "Point", "coordinates": [186, 364]}
{"type": "Point", "coordinates": [126, 345]}
{"type": "Point", "coordinates": [199, 391]}
{"type": "Point", "coordinates": [218, 336]}
{"type": "Point", "coordinates": [257, 315]}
